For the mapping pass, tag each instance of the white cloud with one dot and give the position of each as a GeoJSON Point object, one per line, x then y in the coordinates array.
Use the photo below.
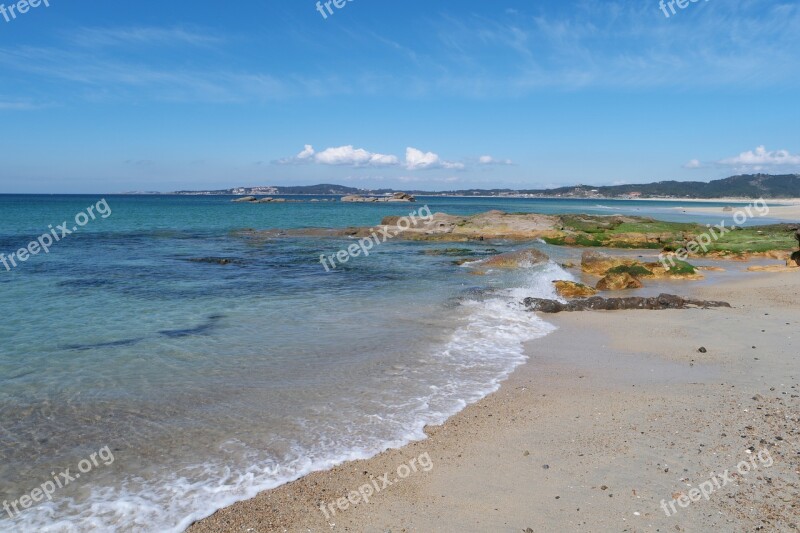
{"type": "Point", "coordinates": [760, 158]}
{"type": "Point", "coordinates": [347, 155]}
{"type": "Point", "coordinates": [693, 164]}
{"type": "Point", "coordinates": [359, 157]}
{"type": "Point", "coordinates": [308, 151]}
{"type": "Point", "coordinates": [419, 160]}
{"type": "Point", "coordinates": [489, 160]}
{"type": "Point", "coordinates": [341, 156]}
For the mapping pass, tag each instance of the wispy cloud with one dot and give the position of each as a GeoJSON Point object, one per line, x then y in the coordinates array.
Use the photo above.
{"type": "Point", "coordinates": [448, 52]}
{"type": "Point", "coordinates": [142, 36]}
{"type": "Point", "coordinates": [489, 160]}
{"type": "Point", "coordinates": [694, 164]}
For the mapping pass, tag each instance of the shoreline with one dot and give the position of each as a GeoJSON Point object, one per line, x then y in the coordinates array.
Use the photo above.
{"type": "Point", "coordinates": [786, 210]}
{"type": "Point", "coordinates": [578, 416]}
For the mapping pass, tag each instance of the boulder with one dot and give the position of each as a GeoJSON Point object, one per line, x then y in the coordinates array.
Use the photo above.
{"type": "Point", "coordinates": [571, 289]}
{"type": "Point", "coordinates": [598, 263]}
{"type": "Point", "coordinates": [618, 282]}
{"type": "Point", "coordinates": [244, 199]}
{"type": "Point", "coordinates": [401, 197]}
{"type": "Point", "coordinates": [596, 303]}
{"type": "Point", "coordinates": [794, 259]}
{"type": "Point", "coordinates": [523, 258]}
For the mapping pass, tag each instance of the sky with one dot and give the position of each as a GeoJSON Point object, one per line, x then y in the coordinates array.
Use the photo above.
{"type": "Point", "coordinates": [99, 96]}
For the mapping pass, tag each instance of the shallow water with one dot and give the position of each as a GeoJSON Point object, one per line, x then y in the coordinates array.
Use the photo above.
{"type": "Point", "coordinates": [209, 382]}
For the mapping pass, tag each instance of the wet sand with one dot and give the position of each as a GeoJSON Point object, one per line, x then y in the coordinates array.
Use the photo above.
{"type": "Point", "coordinates": [614, 413]}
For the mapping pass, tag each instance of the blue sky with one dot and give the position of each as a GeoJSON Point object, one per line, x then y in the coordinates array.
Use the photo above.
{"type": "Point", "coordinates": [99, 96]}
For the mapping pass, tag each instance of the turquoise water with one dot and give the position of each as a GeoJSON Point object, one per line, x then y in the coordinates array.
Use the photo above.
{"type": "Point", "coordinates": [210, 382]}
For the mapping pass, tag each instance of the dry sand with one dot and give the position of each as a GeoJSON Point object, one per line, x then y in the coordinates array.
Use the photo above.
{"type": "Point", "coordinates": [615, 412]}
{"type": "Point", "coordinates": [778, 209]}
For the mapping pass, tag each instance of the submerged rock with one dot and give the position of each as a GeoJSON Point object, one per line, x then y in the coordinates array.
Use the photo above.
{"type": "Point", "coordinates": [244, 199]}
{"type": "Point", "coordinates": [789, 267]}
{"type": "Point", "coordinates": [224, 261]}
{"type": "Point", "coordinates": [571, 289]}
{"type": "Point", "coordinates": [596, 303]}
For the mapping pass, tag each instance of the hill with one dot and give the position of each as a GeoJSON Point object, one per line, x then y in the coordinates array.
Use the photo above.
{"type": "Point", "coordinates": [743, 186]}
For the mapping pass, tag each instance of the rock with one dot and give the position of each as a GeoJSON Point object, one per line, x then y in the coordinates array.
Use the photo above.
{"type": "Point", "coordinates": [523, 258]}
{"type": "Point", "coordinates": [244, 199]}
{"type": "Point", "coordinates": [795, 258]}
{"type": "Point", "coordinates": [358, 198]}
{"type": "Point", "coordinates": [598, 263]}
{"type": "Point", "coordinates": [618, 282]}
{"type": "Point", "coordinates": [677, 270]}
{"type": "Point", "coordinates": [596, 303]}
{"type": "Point", "coordinates": [570, 289]}
{"type": "Point", "coordinates": [401, 197]}
{"type": "Point", "coordinates": [710, 269]}
{"type": "Point", "coordinates": [702, 349]}
{"type": "Point", "coordinates": [727, 209]}
{"type": "Point", "coordinates": [266, 200]}
{"type": "Point", "coordinates": [396, 197]}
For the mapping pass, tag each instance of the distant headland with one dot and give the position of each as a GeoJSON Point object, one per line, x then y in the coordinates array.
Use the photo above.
{"type": "Point", "coordinates": [747, 186]}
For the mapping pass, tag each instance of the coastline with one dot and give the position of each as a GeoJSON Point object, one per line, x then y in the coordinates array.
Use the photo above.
{"type": "Point", "coordinates": [785, 210]}
{"type": "Point", "coordinates": [594, 431]}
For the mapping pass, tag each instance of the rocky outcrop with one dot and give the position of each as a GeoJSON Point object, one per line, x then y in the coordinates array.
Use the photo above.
{"type": "Point", "coordinates": [523, 258]}
{"type": "Point", "coordinates": [244, 199]}
{"type": "Point", "coordinates": [661, 302]}
{"type": "Point", "coordinates": [571, 289]}
{"type": "Point", "coordinates": [602, 264]}
{"type": "Point", "coordinates": [396, 197]}
{"type": "Point", "coordinates": [618, 282]}
{"type": "Point", "coordinates": [598, 263]}
{"type": "Point", "coordinates": [401, 197]}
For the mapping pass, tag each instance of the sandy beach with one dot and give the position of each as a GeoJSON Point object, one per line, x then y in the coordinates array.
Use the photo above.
{"type": "Point", "coordinates": [788, 209]}
{"type": "Point", "coordinates": [617, 419]}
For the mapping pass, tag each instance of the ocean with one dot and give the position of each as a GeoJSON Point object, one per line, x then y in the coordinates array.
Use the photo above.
{"type": "Point", "coordinates": [166, 385]}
